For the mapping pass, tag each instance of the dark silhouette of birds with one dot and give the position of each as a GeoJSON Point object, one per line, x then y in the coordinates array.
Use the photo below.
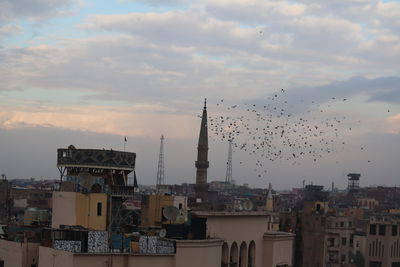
{"type": "Point", "coordinates": [271, 132]}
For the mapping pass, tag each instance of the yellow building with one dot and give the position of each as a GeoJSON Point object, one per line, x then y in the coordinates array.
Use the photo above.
{"type": "Point", "coordinates": [87, 210]}
{"type": "Point", "coordinates": [153, 206]}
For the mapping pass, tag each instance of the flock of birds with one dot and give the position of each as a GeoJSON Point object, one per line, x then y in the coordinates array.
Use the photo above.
{"type": "Point", "coordinates": [270, 132]}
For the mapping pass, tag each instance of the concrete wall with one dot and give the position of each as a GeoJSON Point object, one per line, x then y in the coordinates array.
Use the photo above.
{"type": "Point", "coordinates": [198, 253]}
{"type": "Point", "coordinates": [152, 209]}
{"type": "Point", "coordinates": [71, 208]}
{"type": "Point", "coordinates": [238, 229]}
{"type": "Point", "coordinates": [278, 249]}
{"type": "Point", "coordinates": [15, 254]}
{"type": "Point", "coordinates": [97, 222]}
{"type": "Point", "coordinates": [50, 257]}
{"type": "Point", "coordinates": [64, 204]}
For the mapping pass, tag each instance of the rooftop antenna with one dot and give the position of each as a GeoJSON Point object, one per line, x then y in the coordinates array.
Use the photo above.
{"type": "Point", "coordinates": [160, 171]}
{"type": "Point", "coordinates": [228, 178]}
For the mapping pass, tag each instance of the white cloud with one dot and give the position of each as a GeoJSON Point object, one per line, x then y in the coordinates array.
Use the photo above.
{"type": "Point", "coordinates": [139, 120]}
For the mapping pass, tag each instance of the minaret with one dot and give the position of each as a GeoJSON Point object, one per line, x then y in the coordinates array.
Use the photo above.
{"type": "Point", "coordinates": [202, 157]}
{"type": "Point", "coordinates": [269, 205]}
{"type": "Point", "coordinates": [228, 178]}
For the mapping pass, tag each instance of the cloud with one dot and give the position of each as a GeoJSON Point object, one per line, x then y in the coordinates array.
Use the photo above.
{"type": "Point", "coordinates": [9, 30]}
{"type": "Point", "coordinates": [162, 3]}
{"type": "Point", "coordinates": [140, 120]}
{"type": "Point", "coordinates": [31, 9]}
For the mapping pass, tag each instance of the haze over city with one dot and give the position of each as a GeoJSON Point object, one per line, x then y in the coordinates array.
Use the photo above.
{"type": "Point", "coordinates": [90, 73]}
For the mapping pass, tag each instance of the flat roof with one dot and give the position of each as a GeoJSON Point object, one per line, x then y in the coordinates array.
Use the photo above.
{"type": "Point", "coordinates": [210, 213]}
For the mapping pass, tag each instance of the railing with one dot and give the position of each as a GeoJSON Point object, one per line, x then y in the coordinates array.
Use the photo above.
{"type": "Point", "coordinates": [121, 190]}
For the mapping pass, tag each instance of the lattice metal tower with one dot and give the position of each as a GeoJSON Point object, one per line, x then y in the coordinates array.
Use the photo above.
{"type": "Point", "coordinates": [160, 171]}
{"type": "Point", "coordinates": [228, 178]}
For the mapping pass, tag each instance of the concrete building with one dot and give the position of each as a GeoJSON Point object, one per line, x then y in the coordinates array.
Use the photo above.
{"type": "Point", "coordinates": [153, 205]}
{"type": "Point", "coordinates": [221, 244]}
{"type": "Point", "coordinates": [255, 245]}
{"type": "Point", "coordinates": [16, 254]}
{"type": "Point", "coordinates": [383, 242]}
{"type": "Point", "coordinates": [35, 198]}
{"type": "Point", "coordinates": [94, 186]}
{"type": "Point", "coordinates": [86, 210]}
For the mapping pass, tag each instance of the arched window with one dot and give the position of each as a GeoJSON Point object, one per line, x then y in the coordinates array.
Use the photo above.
{"type": "Point", "coordinates": [233, 258]}
{"type": "Point", "coordinates": [251, 258]}
{"type": "Point", "coordinates": [225, 255]}
{"type": "Point", "coordinates": [243, 255]}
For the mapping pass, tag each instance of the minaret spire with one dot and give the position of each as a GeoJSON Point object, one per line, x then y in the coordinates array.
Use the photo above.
{"type": "Point", "coordinates": [202, 157]}
{"type": "Point", "coordinates": [228, 178]}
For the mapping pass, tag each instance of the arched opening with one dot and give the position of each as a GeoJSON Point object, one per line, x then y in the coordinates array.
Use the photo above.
{"type": "Point", "coordinates": [243, 255]}
{"type": "Point", "coordinates": [233, 258]}
{"type": "Point", "coordinates": [225, 255]}
{"type": "Point", "coordinates": [251, 258]}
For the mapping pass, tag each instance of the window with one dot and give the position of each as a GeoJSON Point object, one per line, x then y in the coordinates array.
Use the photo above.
{"type": "Point", "coordinates": [99, 206]}
{"type": "Point", "coordinates": [382, 229]}
{"type": "Point", "coordinates": [351, 240]}
{"type": "Point", "coordinates": [394, 230]}
{"type": "Point", "coordinates": [372, 229]}
{"type": "Point", "coordinates": [318, 207]}
{"type": "Point", "coordinates": [344, 241]}
{"type": "Point", "coordinates": [341, 224]}
{"type": "Point", "coordinates": [1, 263]}
{"type": "Point", "coordinates": [350, 224]}
{"type": "Point", "coordinates": [343, 258]}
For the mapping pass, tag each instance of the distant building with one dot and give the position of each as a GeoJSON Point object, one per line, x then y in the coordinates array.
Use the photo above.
{"type": "Point", "coordinates": [383, 242]}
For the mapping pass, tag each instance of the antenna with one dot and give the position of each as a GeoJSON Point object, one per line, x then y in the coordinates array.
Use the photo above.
{"type": "Point", "coordinates": [160, 171]}
{"type": "Point", "coordinates": [228, 178]}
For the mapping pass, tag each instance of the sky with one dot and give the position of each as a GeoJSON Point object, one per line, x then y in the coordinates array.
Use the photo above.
{"type": "Point", "coordinates": [88, 73]}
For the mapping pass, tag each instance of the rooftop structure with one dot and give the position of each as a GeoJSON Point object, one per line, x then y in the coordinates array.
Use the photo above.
{"type": "Point", "coordinates": [353, 181]}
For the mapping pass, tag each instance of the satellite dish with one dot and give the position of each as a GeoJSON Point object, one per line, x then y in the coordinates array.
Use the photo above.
{"type": "Point", "coordinates": [180, 219]}
{"type": "Point", "coordinates": [162, 233]}
{"type": "Point", "coordinates": [247, 204]}
{"type": "Point", "coordinates": [183, 213]}
{"type": "Point", "coordinates": [85, 179]}
{"type": "Point", "coordinates": [171, 213]}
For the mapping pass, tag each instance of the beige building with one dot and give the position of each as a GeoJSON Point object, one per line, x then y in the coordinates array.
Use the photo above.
{"type": "Point", "coordinates": [248, 238]}
{"type": "Point", "coordinates": [15, 254]}
{"type": "Point", "coordinates": [87, 210]}
{"type": "Point", "coordinates": [383, 242]}
{"type": "Point", "coordinates": [339, 242]}
{"type": "Point", "coordinates": [153, 205]}
{"type": "Point", "coordinates": [367, 203]}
